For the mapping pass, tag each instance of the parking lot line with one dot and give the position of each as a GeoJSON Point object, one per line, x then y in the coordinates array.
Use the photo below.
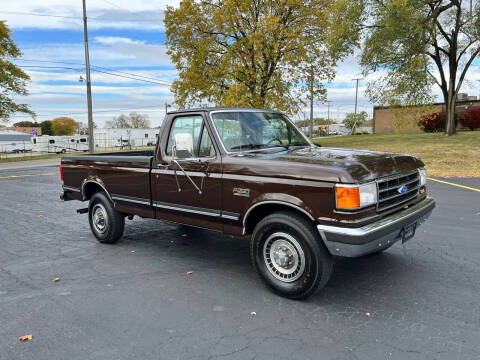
{"type": "Point", "coordinates": [453, 184]}
{"type": "Point", "coordinates": [26, 175]}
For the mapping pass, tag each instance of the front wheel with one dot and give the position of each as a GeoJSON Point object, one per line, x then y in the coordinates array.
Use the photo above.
{"type": "Point", "coordinates": [106, 223]}
{"type": "Point", "coordinates": [288, 253]}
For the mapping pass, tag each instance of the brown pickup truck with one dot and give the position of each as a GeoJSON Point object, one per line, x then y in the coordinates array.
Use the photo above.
{"type": "Point", "coordinates": [252, 174]}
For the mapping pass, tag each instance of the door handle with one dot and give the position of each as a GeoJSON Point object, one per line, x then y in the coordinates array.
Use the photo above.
{"type": "Point", "coordinates": [163, 166]}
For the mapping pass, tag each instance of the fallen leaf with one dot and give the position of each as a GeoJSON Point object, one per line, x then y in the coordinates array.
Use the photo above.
{"type": "Point", "coordinates": [25, 337]}
{"type": "Point", "coordinates": [189, 272]}
{"type": "Point", "coordinates": [56, 279]}
{"type": "Point", "coordinates": [40, 216]}
{"type": "Point", "coordinates": [184, 235]}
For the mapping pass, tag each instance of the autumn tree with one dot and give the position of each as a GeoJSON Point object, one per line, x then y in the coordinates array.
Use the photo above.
{"type": "Point", "coordinates": [418, 44]}
{"type": "Point", "coordinates": [13, 80]}
{"type": "Point", "coordinates": [64, 126]}
{"type": "Point", "coordinates": [45, 125]}
{"type": "Point", "coordinates": [118, 122]}
{"type": "Point", "coordinates": [253, 53]}
{"type": "Point", "coordinates": [132, 120]}
{"type": "Point", "coordinates": [353, 121]}
{"type": "Point", "coordinates": [139, 120]}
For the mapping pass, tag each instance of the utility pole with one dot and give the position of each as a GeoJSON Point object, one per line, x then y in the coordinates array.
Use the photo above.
{"type": "Point", "coordinates": [91, 145]}
{"type": "Point", "coordinates": [310, 85]}
{"type": "Point", "coordinates": [328, 118]}
{"type": "Point", "coordinates": [356, 94]}
{"type": "Point", "coordinates": [356, 102]}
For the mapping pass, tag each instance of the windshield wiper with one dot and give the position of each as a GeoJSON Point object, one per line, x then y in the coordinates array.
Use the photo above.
{"type": "Point", "coordinates": [248, 146]}
{"type": "Point", "coordinates": [264, 146]}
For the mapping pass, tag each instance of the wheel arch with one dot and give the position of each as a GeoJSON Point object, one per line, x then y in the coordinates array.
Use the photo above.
{"type": "Point", "coordinates": [91, 187]}
{"type": "Point", "coordinates": [261, 209]}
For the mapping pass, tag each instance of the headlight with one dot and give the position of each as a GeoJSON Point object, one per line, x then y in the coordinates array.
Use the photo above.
{"type": "Point", "coordinates": [353, 197]}
{"type": "Point", "coordinates": [423, 176]}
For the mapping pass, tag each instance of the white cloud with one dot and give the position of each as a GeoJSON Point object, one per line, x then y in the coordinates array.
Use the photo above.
{"type": "Point", "coordinates": [140, 14]}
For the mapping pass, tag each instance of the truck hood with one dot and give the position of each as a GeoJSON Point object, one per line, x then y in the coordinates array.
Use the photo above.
{"type": "Point", "coordinates": [347, 165]}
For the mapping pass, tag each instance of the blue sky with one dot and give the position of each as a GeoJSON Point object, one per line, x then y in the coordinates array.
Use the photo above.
{"type": "Point", "coordinates": [123, 36]}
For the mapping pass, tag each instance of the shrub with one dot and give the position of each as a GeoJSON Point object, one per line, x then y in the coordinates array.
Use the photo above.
{"type": "Point", "coordinates": [433, 122]}
{"type": "Point", "coordinates": [471, 118]}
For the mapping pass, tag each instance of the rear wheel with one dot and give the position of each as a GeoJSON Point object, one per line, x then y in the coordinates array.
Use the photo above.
{"type": "Point", "coordinates": [289, 255]}
{"type": "Point", "coordinates": [106, 223]}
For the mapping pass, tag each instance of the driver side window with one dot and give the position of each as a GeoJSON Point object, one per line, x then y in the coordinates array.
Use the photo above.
{"type": "Point", "coordinates": [185, 125]}
{"type": "Point", "coordinates": [195, 127]}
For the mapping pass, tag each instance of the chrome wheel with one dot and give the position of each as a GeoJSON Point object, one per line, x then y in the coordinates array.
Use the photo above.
{"type": "Point", "coordinates": [100, 218]}
{"type": "Point", "coordinates": [284, 257]}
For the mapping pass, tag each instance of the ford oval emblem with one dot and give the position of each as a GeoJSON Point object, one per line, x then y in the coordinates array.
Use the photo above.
{"type": "Point", "coordinates": [403, 189]}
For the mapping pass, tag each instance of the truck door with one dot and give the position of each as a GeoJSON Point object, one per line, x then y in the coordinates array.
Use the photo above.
{"type": "Point", "coordinates": [187, 188]}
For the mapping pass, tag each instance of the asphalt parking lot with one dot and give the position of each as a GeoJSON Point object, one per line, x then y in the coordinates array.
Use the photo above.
{"type": "Point", "coordinates": [134, 300]}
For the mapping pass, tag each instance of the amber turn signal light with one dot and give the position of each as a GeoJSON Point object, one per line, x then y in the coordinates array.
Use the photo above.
{"type": "Point", "coordinates": [348, 197]}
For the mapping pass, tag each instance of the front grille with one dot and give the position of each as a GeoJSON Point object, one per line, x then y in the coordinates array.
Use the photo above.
{"type": "Point", "coordinates": [388, 190]}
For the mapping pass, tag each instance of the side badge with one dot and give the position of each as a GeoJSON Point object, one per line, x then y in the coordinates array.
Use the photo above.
{"type": "Point", "coordinates": [241, 192]}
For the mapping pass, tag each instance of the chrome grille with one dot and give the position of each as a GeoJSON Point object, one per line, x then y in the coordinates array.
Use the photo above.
{"type": "Point", "coordinates": [388, 190]}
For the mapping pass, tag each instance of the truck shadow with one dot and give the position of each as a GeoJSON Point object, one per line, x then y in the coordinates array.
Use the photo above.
{"type": "Point", "coordinates": [378, 275]}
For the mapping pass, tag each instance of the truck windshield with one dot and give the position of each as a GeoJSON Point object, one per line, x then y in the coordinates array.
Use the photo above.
{"type": "Point", "coordinates": [242, 130]}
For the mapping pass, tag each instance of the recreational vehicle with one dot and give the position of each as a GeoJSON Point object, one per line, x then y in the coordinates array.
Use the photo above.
{"type": "Point", "coordinates": [60, 144]}
{"type": "Point", "coordinates": [14, 141]}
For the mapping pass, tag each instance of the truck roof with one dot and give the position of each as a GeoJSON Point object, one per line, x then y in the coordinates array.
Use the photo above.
{"type": "Point", "coordinates": [210, 109]}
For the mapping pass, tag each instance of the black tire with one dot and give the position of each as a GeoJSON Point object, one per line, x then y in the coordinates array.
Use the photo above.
{"type": "Point", "coordinates": [276, 231]}
{"type": "Point", "coordinates": [63, 151]}
{"type": "Point", "coordinates": [113, 221]}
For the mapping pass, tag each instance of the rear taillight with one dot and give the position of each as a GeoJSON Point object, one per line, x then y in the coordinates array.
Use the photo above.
{"type": "Point", "coordinates": [61, 172]}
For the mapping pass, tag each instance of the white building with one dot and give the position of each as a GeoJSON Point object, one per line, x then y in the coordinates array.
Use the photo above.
{"type": "Point", "coordinates": [109, 138]}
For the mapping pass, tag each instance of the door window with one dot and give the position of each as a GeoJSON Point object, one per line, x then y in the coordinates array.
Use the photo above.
{"type": "Point", "coordinates": [186, 125]}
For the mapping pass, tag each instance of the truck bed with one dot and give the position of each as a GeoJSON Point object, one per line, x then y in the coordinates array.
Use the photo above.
{"type": "Point", "coordinates": [123, 175]}
{"type": "Point", "coordinates": [136, 156]}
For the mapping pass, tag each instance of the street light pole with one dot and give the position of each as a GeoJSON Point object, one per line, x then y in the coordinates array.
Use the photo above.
{"type": "Point", "coordinates": [91, 147]}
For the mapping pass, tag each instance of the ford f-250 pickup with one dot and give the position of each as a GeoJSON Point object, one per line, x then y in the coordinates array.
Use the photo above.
{"type": "Point", "coordinates": [252, 174]}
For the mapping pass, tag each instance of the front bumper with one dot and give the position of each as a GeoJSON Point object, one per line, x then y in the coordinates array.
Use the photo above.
{"type": "Point", "coordinates": [371, 238]}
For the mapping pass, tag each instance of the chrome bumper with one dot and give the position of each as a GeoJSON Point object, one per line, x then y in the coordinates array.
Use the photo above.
{"type": "Point", "coordinates": [354, 242]}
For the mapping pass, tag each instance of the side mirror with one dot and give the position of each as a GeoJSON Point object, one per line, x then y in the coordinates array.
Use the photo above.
{"type": "Point", "coordinates": [182, 146]}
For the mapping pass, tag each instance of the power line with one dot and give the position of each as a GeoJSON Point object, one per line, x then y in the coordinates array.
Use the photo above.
{"type": "Point", "coordinates": [77, 17]}
{"type": "Point", "coordinates": [117, 6]}
{"type": "Point", "coordinates": [39, 14]}
{"type": "Point", "coordinates": [130, 77]}
{"type": "Point", "coordinates": [99, 71]}
{"type": "Point", "coordinates": [101, 67]}
{"type": "Point", "coordinates": [61, 113]}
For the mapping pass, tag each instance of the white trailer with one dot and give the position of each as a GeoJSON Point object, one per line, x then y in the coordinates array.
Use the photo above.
{"type": "Point", "coordinates": [59, 144]}
{"type": "Point", "coordinates": [14, 141]}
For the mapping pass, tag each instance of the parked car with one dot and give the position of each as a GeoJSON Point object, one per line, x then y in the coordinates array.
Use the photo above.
{"type": "Point", "coordinates": [252, 174]}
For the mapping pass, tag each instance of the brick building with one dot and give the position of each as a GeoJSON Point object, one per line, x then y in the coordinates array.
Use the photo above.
{"type": "Point", "coordinates": [382, 115]}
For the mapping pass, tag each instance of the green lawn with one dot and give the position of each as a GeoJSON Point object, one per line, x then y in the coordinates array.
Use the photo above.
{"type": "Point", "coordinates": [454, 156]}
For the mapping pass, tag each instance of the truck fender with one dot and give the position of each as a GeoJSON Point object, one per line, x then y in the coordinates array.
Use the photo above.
{"type": "Point", "coordinates": [96, 181]}
{"type": "Point", "coordinates": [280, 199]}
